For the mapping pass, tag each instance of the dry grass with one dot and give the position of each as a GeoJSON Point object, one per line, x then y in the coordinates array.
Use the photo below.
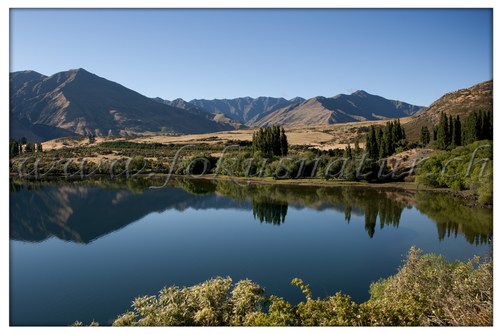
{"type": "Point", "coordinates": [323, 137]}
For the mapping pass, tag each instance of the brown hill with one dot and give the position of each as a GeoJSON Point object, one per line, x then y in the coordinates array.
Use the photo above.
{"type": "Point", "coordinates": [461, 102]}
{"type": "Point", "coordinates": [220, 118]}
{"type": "Point", "coordinates": [83, 103]}
{"type": "Point", "coordinates": [359, 106]}
{"type": "Point", "coordinates": [247, 110]}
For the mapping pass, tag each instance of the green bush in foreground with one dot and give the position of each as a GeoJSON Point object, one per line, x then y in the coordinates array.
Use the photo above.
{"type": "Point", "coordinates": [427, 290]}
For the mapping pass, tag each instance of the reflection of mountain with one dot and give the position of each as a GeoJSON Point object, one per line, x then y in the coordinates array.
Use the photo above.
{"type": "Point", "coordinates": [84, 213]}
{"type": "Point", "coordinates": [81, 214]}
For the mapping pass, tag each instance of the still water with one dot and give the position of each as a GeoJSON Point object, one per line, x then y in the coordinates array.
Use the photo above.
{"type": "Point", "coordinates": [83, 251]}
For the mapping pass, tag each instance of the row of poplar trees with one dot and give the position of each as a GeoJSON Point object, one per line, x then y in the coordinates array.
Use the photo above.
{"type": "Point", "coordinates": [16, 148]}
{"type": "Point", "coordinates": [383, 143]}
{"type": "Point", "coordinates": [450, 132]}
{"type": "Point", "coordinates": [271, 141]}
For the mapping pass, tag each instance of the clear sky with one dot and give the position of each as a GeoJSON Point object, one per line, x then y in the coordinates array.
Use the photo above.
{"type": "Point", "coordinates": [412, 55]}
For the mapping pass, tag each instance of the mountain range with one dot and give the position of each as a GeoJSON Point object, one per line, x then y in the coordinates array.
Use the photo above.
{"type": "Point", "coordinates": [267, 111]}
{"type": "Point", "coordinates": [77, 102]}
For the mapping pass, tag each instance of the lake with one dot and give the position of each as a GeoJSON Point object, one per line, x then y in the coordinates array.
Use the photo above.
{"type": "Point", "coordinates": [84, 250]}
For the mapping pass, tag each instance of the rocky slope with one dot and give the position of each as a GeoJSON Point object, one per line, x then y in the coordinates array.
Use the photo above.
{"type": "Point", "coordinates": [79, 102]}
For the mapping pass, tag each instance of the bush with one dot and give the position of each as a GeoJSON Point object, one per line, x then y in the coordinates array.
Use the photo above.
{"type": "Point", "coordinates": [459, 174]}
{"type": "Point", "coordinates": [427, 290]}
{"type": "Point", "coordinates": [208, 304]}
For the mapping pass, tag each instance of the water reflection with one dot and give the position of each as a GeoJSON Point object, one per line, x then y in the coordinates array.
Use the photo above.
{"type": "Point", "coordinates": [270, 211]}
{"type": "Point", "coordinates": [85, 210]}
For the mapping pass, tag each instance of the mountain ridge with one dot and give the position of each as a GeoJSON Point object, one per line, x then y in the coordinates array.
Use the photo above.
{"type": "Point", "coordinates": [356, 107]}
{"type": "Point", "coordinates": [77, 102]}
{"type": "Point", "coordinates": [84, 103]}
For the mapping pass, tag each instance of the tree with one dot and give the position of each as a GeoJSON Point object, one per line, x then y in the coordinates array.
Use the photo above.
{"type": "Point", "coordinates": [357, 149]}
{"type": "Point", "coordinates": [14, 148]}
{"type": "Point", "coordinates": [29, 147]}
{"type": "Point", "coordinates": [371, 144]}
{"type": "Point", "coordinates": [348, 152]}
{"type": "Point", "coordinates": [284, 143]}
{"type": "Point", "coordinates": [456, 133]}
{"type": "Point", "coordinates": [270, 141]}
{"type": "Point", "coordinates": [39, 147]}
{"type": "Point", "coordinates": [443, 135]}
{"type": "Point", "coordinates": [425, 135]}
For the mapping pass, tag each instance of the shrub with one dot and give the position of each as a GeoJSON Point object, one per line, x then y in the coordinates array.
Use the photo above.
{"type": "Point", "coordinates": [208, 304]}
{"type": "Point", "coordinates": [427, 290]}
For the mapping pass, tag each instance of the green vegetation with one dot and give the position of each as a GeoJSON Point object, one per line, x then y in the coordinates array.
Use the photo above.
{"type": "Point", "coordinates": [271, 141]}
{"type": "Point", "coordinates": [427, 290]}
{"type": "Point", "coordinates": [453, 217]}
{"type": "Point", "coordinates": [197, 165]}
{"type": "Point", "coordinates": [16, 148]}
{"type": "Point", "coordinates": [387, 142]}
{"type": "Point", "coordinates": [450, 133]}
{"type": "Point", "coordinates": [129, 144]}
{"type": "Point", "coordinates": [465, 167]}
{"type": "Point", "coordinates": [425, 135]}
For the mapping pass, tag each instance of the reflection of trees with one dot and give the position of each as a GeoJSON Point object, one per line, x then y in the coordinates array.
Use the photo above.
{"type": "Point", "coordinates": [269, 201]}
{"type": "Point", "coordinates": [270, 204]}
{"type": "Point", "coordinates": [270, 212]}
{"type": "Point", "coordinates": [200, 188]}
{"type": "Point", "coordinates": [453, 217]}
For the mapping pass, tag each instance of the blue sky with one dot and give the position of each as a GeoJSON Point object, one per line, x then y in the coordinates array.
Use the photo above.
{"type": "Point", "coordinates": [412, 55]}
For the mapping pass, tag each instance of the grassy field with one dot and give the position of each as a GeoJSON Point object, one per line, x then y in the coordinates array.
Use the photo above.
{"type": "Point", "coordinates": [322, 137]}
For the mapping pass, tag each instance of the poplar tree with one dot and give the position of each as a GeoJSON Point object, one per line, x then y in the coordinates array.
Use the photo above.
{"type": "Point", "coordinates": [357, 149]}
{"type": "Point", "coordinates": [270, 141]}
{"type": "Point", "coordinates": [371, 144]}
{"type": "Point", "coordinates": [284, 143]}
{"type": "Point", "coordinates": [14, 148]}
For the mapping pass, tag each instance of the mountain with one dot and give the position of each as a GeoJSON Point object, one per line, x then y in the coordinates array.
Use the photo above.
{"type": "Point", "coordinates": [245, 109]}
{"type": "Point", "coordinates": [81, 103]}
{"type": "Point", "coordinates": [77, 102]}
{"type": "Point", "coordinates": [461, 102]}
{"type": "Point", "coordinates": [357, 107]}
{"type": "Point", "coordinates": [220, 118]}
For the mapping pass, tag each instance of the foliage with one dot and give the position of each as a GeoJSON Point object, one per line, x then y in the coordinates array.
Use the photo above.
{"type": "Point", "coordinates": [29, 147]}
{"type": "Point", "coordinates": [13, 148]}
{"type": "Point", "coordinates": [211, 303]}
{"type": "Point", "coordinates": [271, 141]}
{"type": "Point", "coordinates": [427, 290]}
{"type": "Point", "coordinates": [197, 165]}
{"type": "Point", "coordinates": [465, 167]}
{"type": "Point", "coordinates": [388, 139]}
{"type": "Point", "coordinates": [450, 132]}
{"type": "Point", "coordinates": [425, 135]}
{"type": "Point", "coordinates": [129, 144]}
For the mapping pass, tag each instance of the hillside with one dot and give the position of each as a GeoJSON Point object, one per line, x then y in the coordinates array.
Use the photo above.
{"type": "Point", "coordinates": [217, 117]}
{"type": "Point", "coordinates": [359, 106]}
{"type": "Point", "coordinates": [245, 109]}
{"type": "Point", "coordinates": [82, 103]}
{"type": "Point", "coordinates": [461, 102]}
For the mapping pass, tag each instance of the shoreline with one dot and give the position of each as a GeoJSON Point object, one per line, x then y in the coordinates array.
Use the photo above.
{"type": "Point", "coordinates": [313, 182]}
